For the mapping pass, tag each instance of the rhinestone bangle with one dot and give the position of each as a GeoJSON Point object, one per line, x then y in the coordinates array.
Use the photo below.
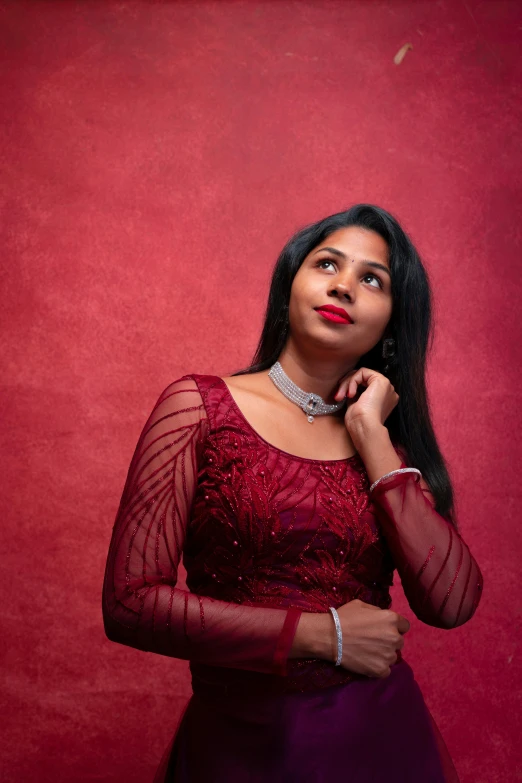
{"type": "Point", "coordinates": [394, 472]}
{"type": "Point", "coordinates": [339, 632]}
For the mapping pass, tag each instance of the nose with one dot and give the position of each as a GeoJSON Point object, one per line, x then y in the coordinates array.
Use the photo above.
{"type": "Point", "coordinates": [342, 287]}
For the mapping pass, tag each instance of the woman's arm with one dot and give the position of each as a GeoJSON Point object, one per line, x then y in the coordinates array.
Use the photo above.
{"type": "Point", "coordinates": [440, 577]}
{"type": "Point", "coordinates": [142, 607]}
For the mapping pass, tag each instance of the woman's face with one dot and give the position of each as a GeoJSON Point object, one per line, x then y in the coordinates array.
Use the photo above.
{"type": "Point", "coordinates": [341, 272]}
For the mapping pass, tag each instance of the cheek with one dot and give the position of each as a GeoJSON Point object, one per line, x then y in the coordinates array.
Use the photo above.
{"type": "Point", "coordinates": [305, 289]}
{"type": "Point", "coordinates": [380, 315]}
{"type": "Point", "coordinates": [302, 300]}
{"type": "Point", "coordinates": [298, 294]}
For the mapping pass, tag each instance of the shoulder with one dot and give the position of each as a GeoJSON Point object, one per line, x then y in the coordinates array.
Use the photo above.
{"type": "Point", "coordinates": [190, 385]}
{"type": "Point", "coordinates": [195, 394]}
{"type": "Point", "coordinates": [182, 397]}
{"type": "Point", "coordinates": [181, 388]}
{"type": "Point", "coordinates": [249, 385]}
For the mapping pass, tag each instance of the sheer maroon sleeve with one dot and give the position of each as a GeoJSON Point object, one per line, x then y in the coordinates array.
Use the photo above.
{"type": "Point", "coordinates": [439, 575]}
{"type": "Point", "coordinates": [142, 607]}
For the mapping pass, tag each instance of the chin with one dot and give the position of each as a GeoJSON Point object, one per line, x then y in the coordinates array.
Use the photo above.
{"type": "Point", "coordinates": [328, 341]}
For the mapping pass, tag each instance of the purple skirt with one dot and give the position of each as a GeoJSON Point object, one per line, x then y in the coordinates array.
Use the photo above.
{"type": "Point", "coordinates": [367, 731]}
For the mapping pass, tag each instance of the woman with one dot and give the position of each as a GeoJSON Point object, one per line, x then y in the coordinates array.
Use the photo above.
{"type": "Point", "coordinates": [293, 489]}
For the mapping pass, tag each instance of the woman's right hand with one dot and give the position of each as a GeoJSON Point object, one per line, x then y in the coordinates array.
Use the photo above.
{"type": "Point", "coordinates": [371, 637]}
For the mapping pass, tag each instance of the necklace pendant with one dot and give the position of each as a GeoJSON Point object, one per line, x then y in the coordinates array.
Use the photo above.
{"type": "Point", "coordinates": [312, 404]}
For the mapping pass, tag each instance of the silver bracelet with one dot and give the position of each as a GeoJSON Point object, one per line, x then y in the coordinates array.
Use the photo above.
{"type": "Point", "coordinates": [393, 473]}
{"type": "Point", "coordinates": [339, 635]}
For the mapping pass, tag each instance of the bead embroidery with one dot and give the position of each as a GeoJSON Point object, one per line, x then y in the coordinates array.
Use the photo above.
{"type": "Point", "coordinates": [260, 528]}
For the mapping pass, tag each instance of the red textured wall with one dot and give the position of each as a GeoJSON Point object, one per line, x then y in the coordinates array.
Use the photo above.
{"type": "Point", "coordinates": [155, 157]}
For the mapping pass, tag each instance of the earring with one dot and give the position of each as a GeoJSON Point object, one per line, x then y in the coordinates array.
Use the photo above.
{"type": "Point", "coordinates": [388, 351]}
{"type": "Point", "coordinates": [388, 348]}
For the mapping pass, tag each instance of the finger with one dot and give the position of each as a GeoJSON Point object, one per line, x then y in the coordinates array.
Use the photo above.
{"type": "Point", "coordinates": [342, 389]}
{"type": "Point", "coordinates": [348, 385]}
{"type": "Point", "coordinates": [355, 383]}
{"type": "Point", "coordinates": [359, 379]}
{"type": "Point", "coordinates": [403, 626]}
{"type": "Point", "coordinates": [367, 376]}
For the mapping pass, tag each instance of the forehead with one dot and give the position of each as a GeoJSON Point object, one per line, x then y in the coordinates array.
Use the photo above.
{"type": "Point", "coordinates": [356, 242]}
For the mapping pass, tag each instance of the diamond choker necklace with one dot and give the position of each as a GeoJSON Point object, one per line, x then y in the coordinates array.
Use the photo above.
{"type": "Point", "coordinates": [310, 403]}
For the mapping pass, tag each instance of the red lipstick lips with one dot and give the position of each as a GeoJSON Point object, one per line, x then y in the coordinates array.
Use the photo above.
{"type": "Point", "coordinates": [335, 314]}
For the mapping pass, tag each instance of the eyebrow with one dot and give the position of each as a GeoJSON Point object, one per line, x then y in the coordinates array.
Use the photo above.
{"type": "Point", "coordinates": [339, 253]}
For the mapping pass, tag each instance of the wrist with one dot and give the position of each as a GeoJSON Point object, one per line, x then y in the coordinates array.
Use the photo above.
{"type": "Point", "coordinates": [373, 443]}
{"type": "Point", "coordinates": [364, 431]}
{"type": "Point", "coordinates": [315, 637]}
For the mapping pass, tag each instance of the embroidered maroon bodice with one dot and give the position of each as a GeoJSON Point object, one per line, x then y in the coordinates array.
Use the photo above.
{"type": "Point", "coordinates": [264, 536]}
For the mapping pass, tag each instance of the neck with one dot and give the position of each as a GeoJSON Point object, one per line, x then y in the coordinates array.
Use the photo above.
{"type": "Point", "coordinates": [318, 375]}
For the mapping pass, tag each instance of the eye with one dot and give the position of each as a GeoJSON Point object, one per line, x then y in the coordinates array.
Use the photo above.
{"type": "Point", "coordinates": [328, 265]}
{"type": "Point", "coordinates": [379, 281]}
{"type": "Point", "coordinates": [324, 261]}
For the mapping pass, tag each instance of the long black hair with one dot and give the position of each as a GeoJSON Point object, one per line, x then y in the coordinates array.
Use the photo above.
{"type": "Point", "coordinates": [410, 326]}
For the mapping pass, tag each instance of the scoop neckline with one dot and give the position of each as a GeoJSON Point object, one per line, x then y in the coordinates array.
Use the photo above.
{"type": "Point", "coordinates": [276, 448]}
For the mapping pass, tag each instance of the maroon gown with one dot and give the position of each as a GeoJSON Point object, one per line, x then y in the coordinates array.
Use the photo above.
{"type": "Point", "coordinates": [266, 535]}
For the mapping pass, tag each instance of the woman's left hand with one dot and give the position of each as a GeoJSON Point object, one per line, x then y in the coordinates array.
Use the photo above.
{"type": "Point", "coordinates": [375, 403]}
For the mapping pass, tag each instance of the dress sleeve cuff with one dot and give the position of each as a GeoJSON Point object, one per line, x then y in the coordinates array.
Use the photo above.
{"type": "Point", "coordinates": [394, 481]}
{"type": "Point", "coordinates": [286, 638]}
